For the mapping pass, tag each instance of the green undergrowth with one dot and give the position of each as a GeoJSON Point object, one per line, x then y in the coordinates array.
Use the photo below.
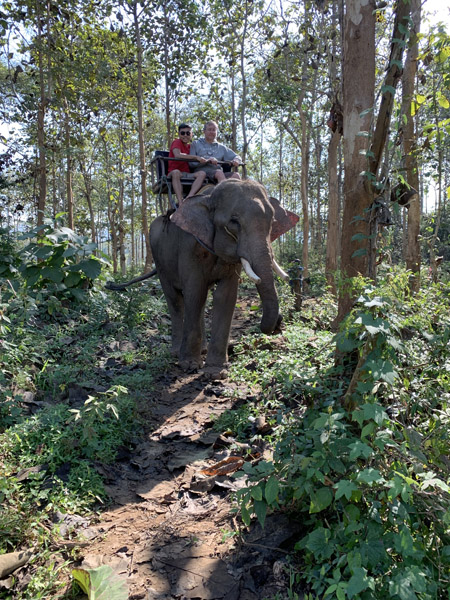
{"type": "Point", "coordinates": [361, 443]}
{"type": "Point", "coordinates": [69, 385]}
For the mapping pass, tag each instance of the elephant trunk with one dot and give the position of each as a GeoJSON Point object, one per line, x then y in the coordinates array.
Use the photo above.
{"type": "Point", "coordinates": [262, 265]}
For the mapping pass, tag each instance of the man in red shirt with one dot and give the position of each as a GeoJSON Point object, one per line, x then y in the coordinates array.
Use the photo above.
{"type": "Point", "coordinates": [180, 148]}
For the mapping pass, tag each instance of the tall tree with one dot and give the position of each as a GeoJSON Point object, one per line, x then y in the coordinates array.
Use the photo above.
{"type": "Point", "coordinates": [142, 163]}
{"type": "Point", "coordinates": [410, 149]}
{"type": "Point", "coordinates": [359, 229]}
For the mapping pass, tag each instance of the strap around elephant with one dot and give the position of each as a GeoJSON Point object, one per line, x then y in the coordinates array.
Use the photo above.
{"type": "Point", "coordinates": [205, 246]}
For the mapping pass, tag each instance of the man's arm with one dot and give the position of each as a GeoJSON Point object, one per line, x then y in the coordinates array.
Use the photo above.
{"type": "Point", "coordinates": [231, 156]}
{"type": "Point", "coordinates": [178, 154]}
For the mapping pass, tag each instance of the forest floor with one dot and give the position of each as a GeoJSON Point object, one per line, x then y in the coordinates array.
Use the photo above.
{"type": "Point", "coordinates": [170, 531]}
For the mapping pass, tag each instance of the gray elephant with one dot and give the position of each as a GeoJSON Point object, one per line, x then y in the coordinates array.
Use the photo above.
{"type": "Point", "coordinates": [204, 244]}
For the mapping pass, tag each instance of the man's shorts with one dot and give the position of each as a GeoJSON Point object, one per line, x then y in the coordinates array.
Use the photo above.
{"type": "Point", "coordinates": [184, 175]}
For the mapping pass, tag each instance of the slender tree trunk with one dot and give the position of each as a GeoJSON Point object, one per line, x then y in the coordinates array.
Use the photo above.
{"type": "Point", "coordinates": [41, 125]}
{"type": "Point", "coordinates": [318, 192]}
{"type": "Point", "coordinates": [69, 160]}
{"type": "Point", "coordinates": [332, 251]}
{"type": "Point", "coordinates": [331, 263]}
{"type": "Point", "coordinates": [304, 191]}
{"type": "Point", "coordinates": [409, 148]}
{"type": "Point", "coordinates": [233, 109]}
{"type": "Point", "coordinates": [166, 73]}
{"type": "Point", "coordinates": [121, 228]}
{"type": "Point", "coordinates": [145, 228]}
{"type": "Point", "coordinates": [88, 195]}
{"type": "Point", "coordinates": [133, 236]}
{"type": "Point", "coordinates": [243, 103]}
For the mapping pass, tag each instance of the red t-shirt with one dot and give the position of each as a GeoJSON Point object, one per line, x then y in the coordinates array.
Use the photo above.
{"type": "Point", "coordinates": [175, 164]}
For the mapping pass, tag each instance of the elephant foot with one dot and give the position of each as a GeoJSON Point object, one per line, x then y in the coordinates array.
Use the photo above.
{"type": "Point", "coordinates": [190, 366]}
{"type": "Point", "coordinates": [214, 373]}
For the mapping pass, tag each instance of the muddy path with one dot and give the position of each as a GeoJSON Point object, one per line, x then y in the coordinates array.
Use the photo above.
{"type": "Point", "coordinates": [170, 531]}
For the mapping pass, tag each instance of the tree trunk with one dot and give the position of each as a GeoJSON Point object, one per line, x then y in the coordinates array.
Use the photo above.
{"type": "Point", "coordinates": [335, 123]}
{"type": "Point", "coordinates": [145, 229]}
{"type": "Point", "coordinates": [166, 73]}
{"type": "Point", "coordinates": [409, 147]}
{"type": "Point", "coordinates": [358, 101]}
{"type": "Point", "coordinates": [88, 194]}
{"type": "Point", "coordinates": [69, 189]}
{"type": "Point", "coordinates": [331, 262]}
{"type": "Point", "coordinates": [243, 103]}
{"type": "Point", "coordinates": [121, 228]}
{"type": "Point", "coordinates": [304, 192]}
{"type": "Point", "coordinates": [41, 126]}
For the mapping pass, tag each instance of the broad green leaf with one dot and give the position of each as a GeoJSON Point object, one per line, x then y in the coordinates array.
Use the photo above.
{"type": "Point", "coordinates": [72, 280]}
{"type": "Point", "coordinates": [320, 500]}
{"type": "Point", "coordinates": [370, 476]}
{"type": "Point", "coordinates": [318, 540]}
{"type": "Point", "coordinates": [245, 515]}
{"type": "Point", "coordinates": [388, 88]}
{"type": "Point", "coordinates": [256, 492]}
{"type": "Point", "coordinates": [358, 582]}
{"type": "Point", "coordinates": [53, 274]}
{"type": "Point", "coordinates": [358, 236]}
{"type": "Point", "coordinates": [91, 268]}
{"type": "Point", "coordinates": [43, 251]}
{"type": "Point", "coordinates": [371, 411]}
{"type": "Point", "coordinates": [271, 490]}
{"type": "Point", "coordinates": [373, 325]}
{"type": "Point", "coordinates": [359, 252]}
{"type": "Point", "coordinates": [359, 449]}
{"type": "Point", "coordinates": [345, 488]}
{"type": "Point", "coordinates": [101, 583]}
{"type": "Point", "coordinates": [260, 508]}
{"type": "Point", "coordinates": [407, 582]}
{"type": "Point", "coordinates": [382, 369]}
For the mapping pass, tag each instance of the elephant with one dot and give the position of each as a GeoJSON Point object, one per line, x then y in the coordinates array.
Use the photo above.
{"type": "Point", "coordinates": [204, 243]}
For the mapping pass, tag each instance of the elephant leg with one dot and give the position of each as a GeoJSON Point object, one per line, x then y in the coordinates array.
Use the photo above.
{"type": "Point", "coordinates": [224, 301]}
{"type": "Point", "coordinates": [175, 303]}
{"type": "Point", "coordinates": [203, 329]}
{"type": "Point", "coordinates": [194, 326]}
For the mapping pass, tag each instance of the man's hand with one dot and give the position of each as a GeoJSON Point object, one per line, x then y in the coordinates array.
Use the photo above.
{"type": "Point", "coordinates": [201, 160]}
{"type": "Point", "coordinates": [235, 162]}
{"type": "Point", "coordinates": [213, 160]}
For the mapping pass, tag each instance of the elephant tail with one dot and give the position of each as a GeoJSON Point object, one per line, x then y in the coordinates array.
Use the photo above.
{"type": "Point", "coordinates": [117, 287]}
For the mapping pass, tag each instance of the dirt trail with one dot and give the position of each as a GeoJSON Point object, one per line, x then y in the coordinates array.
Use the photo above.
{"type": "Point", "coordinates": [169, 532]}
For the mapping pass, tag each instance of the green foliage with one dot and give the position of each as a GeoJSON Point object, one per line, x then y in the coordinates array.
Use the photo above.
{"type": "Point", "coordinates": [364, 467]}
{"type": "Point", "coordinates": [56, 441]}
{"type": "Point", "coordinates": [48, 273]}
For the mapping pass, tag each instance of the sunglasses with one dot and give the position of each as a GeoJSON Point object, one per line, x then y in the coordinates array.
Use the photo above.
{"type": "Point", "coordinates": [185, 132]}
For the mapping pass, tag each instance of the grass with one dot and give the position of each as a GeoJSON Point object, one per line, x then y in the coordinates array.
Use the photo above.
{"type": "Point", "coordinates": [67, 404]}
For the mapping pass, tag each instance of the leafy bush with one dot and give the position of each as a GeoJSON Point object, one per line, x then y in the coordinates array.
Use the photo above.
{"type": "Point", "coordinates": [364, 467]}
{"type": "Point", "coordinates": [55, 266]}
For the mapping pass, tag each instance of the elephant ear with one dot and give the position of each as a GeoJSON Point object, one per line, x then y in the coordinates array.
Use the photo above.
{"type": "Point", "coordinates": [193, 216]}
{"type": "Point", "coordinates": [283, 220]}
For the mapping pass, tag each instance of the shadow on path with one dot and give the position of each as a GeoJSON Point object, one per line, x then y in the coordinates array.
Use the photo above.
{"type": "Point", "coordinates": [171, 531]}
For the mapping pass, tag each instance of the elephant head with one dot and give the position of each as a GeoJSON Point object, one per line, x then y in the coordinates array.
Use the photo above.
{"type": "Point", "coordinates": [237, 221]}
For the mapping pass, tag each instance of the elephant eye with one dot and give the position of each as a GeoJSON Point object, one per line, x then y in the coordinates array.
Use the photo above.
{"type": "Point", "coordinates": [234, 221]}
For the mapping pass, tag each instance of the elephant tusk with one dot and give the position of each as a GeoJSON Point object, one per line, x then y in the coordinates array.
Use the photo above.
{"type": "Point", "coordinates": [279, 271]}
{"type": "Point", "coordinates": [250, 272]}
